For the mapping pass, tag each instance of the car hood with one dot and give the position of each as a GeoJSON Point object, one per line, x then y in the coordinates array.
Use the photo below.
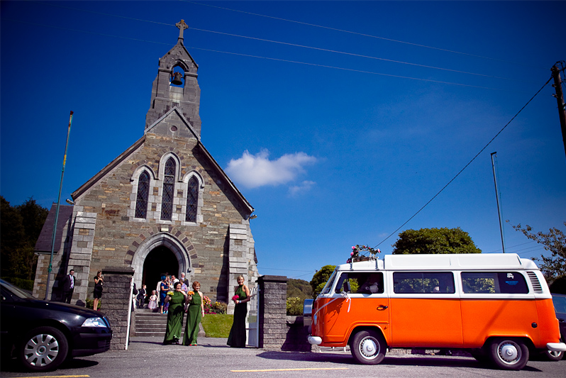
{"type": "Point", "coordinates": [59, 306]}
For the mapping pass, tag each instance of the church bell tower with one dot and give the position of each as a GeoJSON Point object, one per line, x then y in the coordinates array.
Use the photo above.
{"type": "Point", "coordinates": [176, 85]}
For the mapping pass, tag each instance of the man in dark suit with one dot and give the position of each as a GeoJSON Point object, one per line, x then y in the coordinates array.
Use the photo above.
{"type": "Point", "coordinates": [68, 286]}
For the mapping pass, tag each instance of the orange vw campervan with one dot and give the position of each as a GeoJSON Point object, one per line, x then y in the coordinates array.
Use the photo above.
{"type": "Point", "coordinates": [497, 306]}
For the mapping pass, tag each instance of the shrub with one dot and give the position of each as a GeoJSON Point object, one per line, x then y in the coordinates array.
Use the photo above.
{"type": "Point", "coordinates": [294, 306]}
{"type": "Point", "coordinates": [219, 307]}
{"type": "Point", "coordinates": [23, 284]}
{"type": "Point", "coordinates": [90, 303]}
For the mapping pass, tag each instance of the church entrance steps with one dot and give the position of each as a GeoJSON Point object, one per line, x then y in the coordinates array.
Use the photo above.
{"type": "Point", "coordinates": [150, 323]}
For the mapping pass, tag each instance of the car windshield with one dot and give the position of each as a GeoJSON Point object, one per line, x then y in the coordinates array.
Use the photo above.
{"type": "Point", "coordinates": [15, 290]}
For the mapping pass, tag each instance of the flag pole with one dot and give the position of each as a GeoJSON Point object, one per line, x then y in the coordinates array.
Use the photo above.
{"type": "Point", "coordinates": [57, 211]}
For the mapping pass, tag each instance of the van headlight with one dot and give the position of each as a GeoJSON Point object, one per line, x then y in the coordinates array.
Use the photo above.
{"type": "Point", "coordinates": [94, 322]}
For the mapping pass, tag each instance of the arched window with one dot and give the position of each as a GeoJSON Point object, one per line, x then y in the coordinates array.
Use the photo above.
{"type": "Point", "coordinates": [143, 192]}
{"type": "Point", "coordinates": [168, 190]}
{"type": "Point", "coordinates": [192, 200]}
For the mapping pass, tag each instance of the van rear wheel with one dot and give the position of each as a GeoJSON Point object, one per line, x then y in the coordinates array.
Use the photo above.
{"type": "Point", "coordinates": [509, 353]}
{"type": "Point", "coordinates": [368, 347]}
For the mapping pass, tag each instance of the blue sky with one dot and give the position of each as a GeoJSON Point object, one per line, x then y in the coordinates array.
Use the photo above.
{"type": "Point", "coordinates": [338, 121]}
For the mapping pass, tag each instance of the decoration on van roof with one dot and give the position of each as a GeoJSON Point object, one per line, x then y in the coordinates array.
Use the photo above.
{"type": "Point", "coordinates": [356, 255]}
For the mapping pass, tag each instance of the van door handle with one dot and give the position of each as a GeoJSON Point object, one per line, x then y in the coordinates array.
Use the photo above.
{"type": "Point", "coordinates": [382, 307]}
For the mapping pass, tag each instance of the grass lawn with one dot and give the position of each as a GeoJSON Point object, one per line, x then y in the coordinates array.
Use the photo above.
{"type": "Point", "coordinates": [217, 325]}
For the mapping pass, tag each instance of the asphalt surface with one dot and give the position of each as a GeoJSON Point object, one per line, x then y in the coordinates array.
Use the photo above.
{"type": "Point", "coordinates": [147, 357]}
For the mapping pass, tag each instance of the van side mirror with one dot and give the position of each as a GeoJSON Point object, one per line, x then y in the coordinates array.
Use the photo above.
{"type": "Point", "coordinates": [347, 286]}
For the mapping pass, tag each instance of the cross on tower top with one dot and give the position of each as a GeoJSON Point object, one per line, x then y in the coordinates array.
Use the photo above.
{"type": "Point", "coordinates": [182, 26]}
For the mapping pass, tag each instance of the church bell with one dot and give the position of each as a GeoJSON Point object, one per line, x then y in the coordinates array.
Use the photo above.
{"type": "Point", "coordinates": [176, 78]}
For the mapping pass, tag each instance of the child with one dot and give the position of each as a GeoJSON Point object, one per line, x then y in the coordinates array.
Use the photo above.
{"type": "Point", "coordinates": [153, 301]}
{"type": "Point", "coordinates": [141, 296]}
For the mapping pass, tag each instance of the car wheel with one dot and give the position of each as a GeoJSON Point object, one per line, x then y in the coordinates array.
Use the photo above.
{"type": "Point", "coordinates": [368, 347]}
{"type": "Point", "coordinates": [43, 348]}
{"type": "Point", "coordinates": [509, 353]}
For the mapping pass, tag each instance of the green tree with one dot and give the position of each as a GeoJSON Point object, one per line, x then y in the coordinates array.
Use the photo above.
{"type": "Point", "coordinates": [21, 226]}
{"type": "Point", "coordinates": [435, 241]}
{"type": "Point", "coordinates": [554, 241]}
{"type": "Point", "coordinates": [320, 278]}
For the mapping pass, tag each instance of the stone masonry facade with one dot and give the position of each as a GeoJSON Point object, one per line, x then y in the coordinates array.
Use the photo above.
{"type": "Point", "coordinates": [105, 231]}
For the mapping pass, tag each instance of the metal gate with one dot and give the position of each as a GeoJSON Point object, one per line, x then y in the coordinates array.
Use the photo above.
{"type": "Point", "coordinates": [252, 321]}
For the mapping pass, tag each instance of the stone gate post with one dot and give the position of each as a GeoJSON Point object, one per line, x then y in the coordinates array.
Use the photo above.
{"type": "Point", "coordinates": [116, 303]}
{"type": "Point", "coordinates": [272, 311]}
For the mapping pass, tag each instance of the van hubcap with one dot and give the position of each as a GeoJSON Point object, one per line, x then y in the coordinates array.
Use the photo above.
{"type": "Point", "coordinates": [368, 348]}
{"type": "Point", "coordinates": [508, 352]}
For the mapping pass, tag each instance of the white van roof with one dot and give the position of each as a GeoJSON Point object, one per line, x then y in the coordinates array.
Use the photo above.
{"type": "Point", "coordinates": [482, 261]}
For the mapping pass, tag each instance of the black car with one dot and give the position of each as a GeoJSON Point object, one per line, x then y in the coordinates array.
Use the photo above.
{"type": "Point", "coordinates": [43, 334]}
{"type": "Point", "coordinates": [559, 301]}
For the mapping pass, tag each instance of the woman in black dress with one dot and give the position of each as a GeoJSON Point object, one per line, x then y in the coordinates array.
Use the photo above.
{"type": "Point", "coordinates": [98, 280]}
{"type": "Point", "coordinates": [237, 337]}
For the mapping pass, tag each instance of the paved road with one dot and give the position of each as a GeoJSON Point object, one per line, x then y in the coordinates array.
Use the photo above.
{"type": "Point", "coordinates": [146, 357]}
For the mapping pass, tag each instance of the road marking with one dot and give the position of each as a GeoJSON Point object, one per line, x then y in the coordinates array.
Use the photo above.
{"type": "Point", "coordinates": [60, 376]}
{"type": "Point", "coordinates": [297, 369]}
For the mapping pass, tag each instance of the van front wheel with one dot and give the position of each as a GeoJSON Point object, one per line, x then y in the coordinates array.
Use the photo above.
{"type": "Point", "coordinates": [368, 347]}
{"type": "Point", "coordinates": [509, 353]}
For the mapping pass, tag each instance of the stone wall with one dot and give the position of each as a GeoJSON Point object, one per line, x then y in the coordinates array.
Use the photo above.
{"type": "Point", "coordinates": [116, 304]}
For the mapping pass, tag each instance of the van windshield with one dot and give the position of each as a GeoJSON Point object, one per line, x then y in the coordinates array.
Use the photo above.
{"type": "Point", "coordinates": [329, 284]}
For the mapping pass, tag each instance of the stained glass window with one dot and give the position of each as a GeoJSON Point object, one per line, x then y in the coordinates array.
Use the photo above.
{"type": "Point", "coordinates": [143, 192]}
{"type": "Point", "coordinates": [192, 200]}
{"type": "Point", "coordinates": [168, 190]}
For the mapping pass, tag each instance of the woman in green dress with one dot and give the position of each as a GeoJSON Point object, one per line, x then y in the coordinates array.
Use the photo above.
{"type": "Point", "coordinates": [177, 300]}
{"type": "Point", "coordinates": [237, 337]}
{"type": "Point", "coordinates": [195, 314]}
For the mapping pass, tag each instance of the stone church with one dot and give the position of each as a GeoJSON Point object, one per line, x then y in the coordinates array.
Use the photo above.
{"type": "Point", "coordinates": [163, 206]}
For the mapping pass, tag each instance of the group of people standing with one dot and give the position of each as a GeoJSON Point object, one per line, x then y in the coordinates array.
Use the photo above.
{"type": "Point", "coordinates": [191, 302]}
{"type": "Point", "coordinates": [179, 302]}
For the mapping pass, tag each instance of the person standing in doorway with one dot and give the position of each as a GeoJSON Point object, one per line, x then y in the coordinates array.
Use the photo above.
{"type": "Point", "coordinates": [68, 286]}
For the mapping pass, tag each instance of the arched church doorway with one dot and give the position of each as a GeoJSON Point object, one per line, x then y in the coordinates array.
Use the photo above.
{"type": "Point", "coordinates": [160, 261]}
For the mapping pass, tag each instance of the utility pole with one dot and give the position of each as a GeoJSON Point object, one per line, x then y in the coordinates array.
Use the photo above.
{"type": "Point", "coordinates": [497, 199]}
{"type": "Point", "coordinates": [50, 268]}
{"type": "Point", "coordinates": [560, 99]}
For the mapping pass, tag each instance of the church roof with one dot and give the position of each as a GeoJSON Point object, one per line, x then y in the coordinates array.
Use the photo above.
{"type": "Point", "coordinates": [45, 238]}
{"type": "Point", "coordinates": [139, 143]}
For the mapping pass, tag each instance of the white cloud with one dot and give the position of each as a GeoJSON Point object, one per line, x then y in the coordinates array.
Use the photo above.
{"type": "Point", "coordinates": [253, 171]}
{"type": "Point", "coordinates": [305, 186]}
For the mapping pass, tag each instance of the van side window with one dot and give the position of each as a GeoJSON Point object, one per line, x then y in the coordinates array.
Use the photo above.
{"type": "Point", "coordinates": [423, 282]}
{"type": "Point", "coordinates": [362, 283]}
{"type": "Point", "coordinates": [494, 283]}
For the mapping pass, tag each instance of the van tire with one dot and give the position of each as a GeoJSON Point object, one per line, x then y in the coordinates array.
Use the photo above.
{"type": "Point", "coordinates": [552, 356]}
{"type": "Point", "coordinates": [368, 347]}
{"type": "Point", "coordinates": [511, 354]}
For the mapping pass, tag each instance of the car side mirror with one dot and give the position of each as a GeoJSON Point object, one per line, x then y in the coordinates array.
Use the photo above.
{"type": "Point", "coordinates": [347, 286]}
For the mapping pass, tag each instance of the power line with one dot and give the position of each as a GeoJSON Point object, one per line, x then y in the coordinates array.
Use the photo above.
{"type": "Point", "coordinates": [470, 162]}
{"type": "Point", "coordinates": [259, 57]}
{"type": "Point", "coordinates": [350, 54]}
{"type": "Point", "coordinates": [363, 34]}
{"type": "Point", "coordinates": [295, 45]}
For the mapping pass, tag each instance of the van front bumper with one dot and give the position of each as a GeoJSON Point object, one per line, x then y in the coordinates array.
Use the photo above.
{"type": "Point", "coordinates": [315, 340]}
{"type": "Point", "coordinates": [554, 347]}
